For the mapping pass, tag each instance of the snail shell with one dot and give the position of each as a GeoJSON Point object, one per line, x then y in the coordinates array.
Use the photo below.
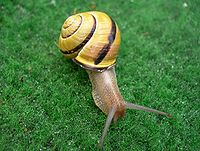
{"type": "Point", "coordinates": [92, 39]}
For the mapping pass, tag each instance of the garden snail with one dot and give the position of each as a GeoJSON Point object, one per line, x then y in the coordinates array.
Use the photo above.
{"type": "Point", "coordinates": [92, 40]}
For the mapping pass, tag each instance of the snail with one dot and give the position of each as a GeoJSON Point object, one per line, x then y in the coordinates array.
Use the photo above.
{"type": "Point", "coordinates": [92, 40]}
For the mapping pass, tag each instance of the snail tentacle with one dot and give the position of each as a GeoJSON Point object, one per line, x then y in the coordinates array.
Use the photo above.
{"type": "Point", "coordinates": [129, 105]}
{"type": "Point", "coordinates": [107, 125]}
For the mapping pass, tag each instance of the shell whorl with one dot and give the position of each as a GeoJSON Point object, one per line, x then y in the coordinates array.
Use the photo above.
{"type": "Point", "coordinates": [92, 39]}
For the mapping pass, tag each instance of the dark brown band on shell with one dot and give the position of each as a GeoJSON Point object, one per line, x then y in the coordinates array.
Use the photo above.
{"type": "Point", "coordinates": [81, 45]}
{"type": "Point", "coordinates": [103, 52]}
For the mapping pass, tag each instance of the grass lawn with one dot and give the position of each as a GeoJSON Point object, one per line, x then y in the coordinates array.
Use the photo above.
{"type": "Point", "coordinates": [46, 101]}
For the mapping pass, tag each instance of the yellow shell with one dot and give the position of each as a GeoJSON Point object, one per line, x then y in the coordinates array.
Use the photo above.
{"type": "Point", "coordinates": [92, 39]}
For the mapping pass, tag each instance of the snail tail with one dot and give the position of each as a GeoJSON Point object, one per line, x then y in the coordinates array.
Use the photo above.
{"type": "Point", "coordinates": [139, 107]}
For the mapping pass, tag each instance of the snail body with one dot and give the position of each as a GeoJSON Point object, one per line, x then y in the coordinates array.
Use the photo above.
{"type": "Point", "coordinates": [92, 40]}
{"type": "Point", "coordinates": [104, 87]}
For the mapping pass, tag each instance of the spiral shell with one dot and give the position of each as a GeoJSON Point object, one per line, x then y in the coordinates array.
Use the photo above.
{"type": "Point", "coordinates": [92, 39]}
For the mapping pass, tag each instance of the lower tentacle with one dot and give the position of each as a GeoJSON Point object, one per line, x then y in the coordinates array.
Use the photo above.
{"type": "Point", "coordinates": [107, 125]}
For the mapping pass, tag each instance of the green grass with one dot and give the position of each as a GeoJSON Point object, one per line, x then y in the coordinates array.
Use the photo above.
{"type": "Point", "coordinates": [46, 102]}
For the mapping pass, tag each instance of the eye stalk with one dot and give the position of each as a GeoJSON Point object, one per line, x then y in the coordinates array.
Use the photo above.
{"type": "Point", "coordinates": [92, 40]}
